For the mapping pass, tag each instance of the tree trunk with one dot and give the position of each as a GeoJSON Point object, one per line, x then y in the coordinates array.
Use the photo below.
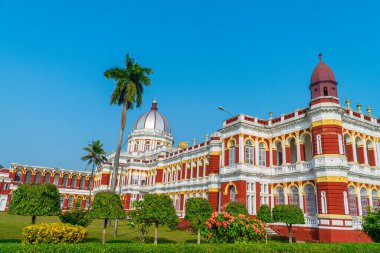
{"type": "Point", "coordinates": [92, 176]}
{"type": "Point", "coordinates": [104, 231]}
{"type": "Point", "coordinates": [120, 190]}
{"type": "Point", "coordinates": [266, 237]}
{"type": "Point", "coordinates": [155, 232]}
{"type": "Point", "coordinates": [33, 219]}
{"type": "Point", "coordinates": [290, 233]}
{"type": "Point", "coordinates": [115, 228]}
{"type": "Point", "coordinates": [118, 149]}
{"type": "Point", "coordinates": [199, 236]}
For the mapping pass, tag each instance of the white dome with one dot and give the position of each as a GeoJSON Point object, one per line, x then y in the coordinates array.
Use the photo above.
{"type": "Point", "coordinates": [152, 120]}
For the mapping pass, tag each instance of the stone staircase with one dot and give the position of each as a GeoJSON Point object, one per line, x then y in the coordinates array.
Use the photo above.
{"type": "Point", "coordinates": [271, 232]}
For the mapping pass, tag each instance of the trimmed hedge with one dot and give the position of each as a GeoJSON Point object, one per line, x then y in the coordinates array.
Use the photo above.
{"type": "Point", "coordinates": [54, 233]}
{"type": "Point", "coordinates": [190, 248]}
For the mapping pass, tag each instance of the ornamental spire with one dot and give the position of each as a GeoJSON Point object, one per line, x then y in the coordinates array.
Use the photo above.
{"type": "Point", "coordinates": [320, 57]}
{"type": "Point", "coordinates": [154, 105]}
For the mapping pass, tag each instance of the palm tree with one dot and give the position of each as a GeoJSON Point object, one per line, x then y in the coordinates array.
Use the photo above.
{"type": "Point", "coordinates": [95, 157]}
{"type": "Point", "coordinates": [130, 82]}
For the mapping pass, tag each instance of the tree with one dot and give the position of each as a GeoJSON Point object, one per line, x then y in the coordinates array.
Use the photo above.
{"type": "Point", "coordinates": [137, 220]}
{"type": "Point", "coordinates": [1, 166]}
{"type": "Point", "coordinates": [265, 216]}
{"type": "Point", "coordinates": [371, 225]}
{"type": "Point", "coordinates": [106, 205]}
{"type": "Point", "coordinates": [289, 214]}
{"type": "Point", "coordinates": [95, 157]}
{"type": "Point", "coordinates": [235, 208]}
{"type": "Point", "coordinates": [35, 200]}
{"type": "Point", "coordinates": [158, 209]}
{"type": "Point", "coordinates": [130, 82]}
{"type": "Point", "coordinates": [198, 210]}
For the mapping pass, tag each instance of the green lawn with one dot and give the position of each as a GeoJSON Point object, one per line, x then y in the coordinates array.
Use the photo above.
{"type": "Point", "coordinates": [11, 228]}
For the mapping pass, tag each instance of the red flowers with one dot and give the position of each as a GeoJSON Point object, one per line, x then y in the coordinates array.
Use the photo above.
{"type": "Point", "coordinates": [223, 227]}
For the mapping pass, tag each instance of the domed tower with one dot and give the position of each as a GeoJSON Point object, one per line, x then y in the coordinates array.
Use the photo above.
{"type": "Point", "coordinates": [323, 85]}
{"type": "Point", "coordinates": [150, 132]}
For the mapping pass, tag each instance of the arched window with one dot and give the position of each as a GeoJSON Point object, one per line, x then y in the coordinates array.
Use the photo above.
{"type": "Point", "coordinates": [87, 204]}
{"type": "Point", "coordinates": [345, 202]}
{"type": "Point", "coordinates": [143, 179]}
{"type": "Point", "coordinates": [71, 202]}
{"type": "Point", "coordinates": [364, 201]}
{"type": "Point", "coordinates": [65, 180]}
{"type": "Point", "coordinates": [28, 176]}
{"type": "Point", "coordinates": [47, 178]}
{"type": "Point", "coordinates": [232, 194]}
{"type": "Point", "coordinates": [90, 183]}
{"type": "Point", "coordinates": [147, 146]}
{"type": "Point", "coordinates": [18, 176]}
{"type": "Point", "coordinates": [137, 146]}
{"type": "Point", "coordinates": [78, 203]}
{"type": "Point", "coordinates": [73, 182]}
{"type": "Point", "coordinates": [293, 150]}
{"type": "Point", "coordinates": [324, 202]}
{"type": "Point", "coordinates": [262, 154]}
{"type": "Point", "coordinates": [359, 150]}
{"type": "Point", "coordinates": [352, 201]}
{"type": "Point", "coordinates": [232, 151]}
{"type": "Point", "coordinates": [279, 153]}
{"type": "Point", "coordinates": [325, 91]}
{"type": "Point", "coordinates": [37, 178]}
{"type": "Point", "coordinates": [56, 179]}
{"type": "Point", "coordinates": [310, 201]}
{"type": "Point", "coordinates": [280, 199]}
{"type": "Point", "coordinates": [62, 200]}
{"type": "Point", "coordinates": [375, 200]}
{"type": "Point", "coordinates": [307, 148]}
{"type": "Point", "coordinates": [319, 145]}
{"type": "Point", "coordinates": [134, 179]}
{"type": "Point", "coordinates": [340, 142]}
{"type": "Point", "coordinates": [81, 183]}
{"type": "Point", "coordinates": [249, 152]}
{"type": "Point", "coordinates": [294, 197]}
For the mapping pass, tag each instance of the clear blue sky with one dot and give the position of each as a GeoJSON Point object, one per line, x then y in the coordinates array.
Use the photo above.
{"type": "Point", "coordinates": [250, 56]}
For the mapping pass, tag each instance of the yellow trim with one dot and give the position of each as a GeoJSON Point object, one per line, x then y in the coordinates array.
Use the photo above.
{"type": "Point", "coordinates": [338, 179]}
{"type": "Point", "coordinates": [326, 122]}
{"type": "Point", "coordinates": [227, 187]}
{"type": "Point", "coordinates": [215, 153]}
{"type": "Point", "coordinates": [335, 216]}
{"type": "Point", "coordinates": [330, 155]}
{"type": "Point", "coordinates": [213, 190]}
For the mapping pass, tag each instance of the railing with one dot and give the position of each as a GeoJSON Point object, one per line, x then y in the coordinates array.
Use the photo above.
{"type": "Point", "coordinates": [357, 222]}
{"type": "Point", "coordinates": [313, 221]}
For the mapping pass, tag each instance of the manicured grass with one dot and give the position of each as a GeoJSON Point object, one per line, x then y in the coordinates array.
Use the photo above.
{"type": "Point", "coordinates": [11, 228]}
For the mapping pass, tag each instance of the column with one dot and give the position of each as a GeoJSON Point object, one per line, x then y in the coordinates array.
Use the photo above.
{"type": "Point", "coordinates": [223, 151]}
{"type": "Point", "coordinates": [283, 151]}
{"type": "Point", "coordinates": [241, 148]}
{"type": "Point", "coordinates": [376, 150]}
{"type": "Point", "coordinates": [256, 162]}
{"type": "Point", "coordinates": [354, 150]}
{"type": "Point", "coordinates": [298, 148]}
{"type": "Point", "coordinates": [286, 195]}
{"type": "Point", "coordinates": [359, 201]}
{"type": "Point", "coordinates": [300, 197]}
{"type": "Point", "coordinates": [271, 197]}
{"type": "Point", "coordinates": [270, 154]}
{"type": "Point", "coordinates": [365, 152]}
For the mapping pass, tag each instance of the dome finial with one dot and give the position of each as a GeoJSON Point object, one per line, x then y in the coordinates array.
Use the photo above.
{"type": "Point", "coordinates": [154, 105]}
{"type": "Point", "coordinates": [320, 57]}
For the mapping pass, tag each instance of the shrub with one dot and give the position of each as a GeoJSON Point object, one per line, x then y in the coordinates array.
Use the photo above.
{"type": "Point", "coordinates": [289, 214]}
{"type": "Point", "coordinates": [371, 225]}
{"type": "Point", "coordinates": [235, 208]}
{"type": "Point", "coordinates": [223, 227]}
{"type": "Point", "coordinates": [35, 200]}
{"type": "Point", "coordinates": [54, 233]}
{"type": "Point", "coordinates": [158, 209]}
{"type": "Point", "coordinates": [76, 217]}
{"type": "Point", "coordinates": [264, 214]}
{"type": "Point", "coordinates": [198, 210]}
{"type": "Point", "coordinates": [106, 205]}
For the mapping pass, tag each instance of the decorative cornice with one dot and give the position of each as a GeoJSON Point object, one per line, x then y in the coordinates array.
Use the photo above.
{"type": "Point", "coordinates": [329, 179]}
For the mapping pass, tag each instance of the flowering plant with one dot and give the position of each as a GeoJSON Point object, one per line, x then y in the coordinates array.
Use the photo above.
{"type": "Point", "coordinates": [225, 228]}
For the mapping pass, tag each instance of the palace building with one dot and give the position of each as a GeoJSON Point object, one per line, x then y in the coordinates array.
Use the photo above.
{"type": "Point", "coordinates": [324, 158]}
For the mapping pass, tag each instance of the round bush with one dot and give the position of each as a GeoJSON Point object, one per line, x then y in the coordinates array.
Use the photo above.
{"type": "Point", "coordinates": [76, 217]}
{"type": "Point", "coordinates": [223, 227]}
{"type": "Point", "coordinates": [54, 233]}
